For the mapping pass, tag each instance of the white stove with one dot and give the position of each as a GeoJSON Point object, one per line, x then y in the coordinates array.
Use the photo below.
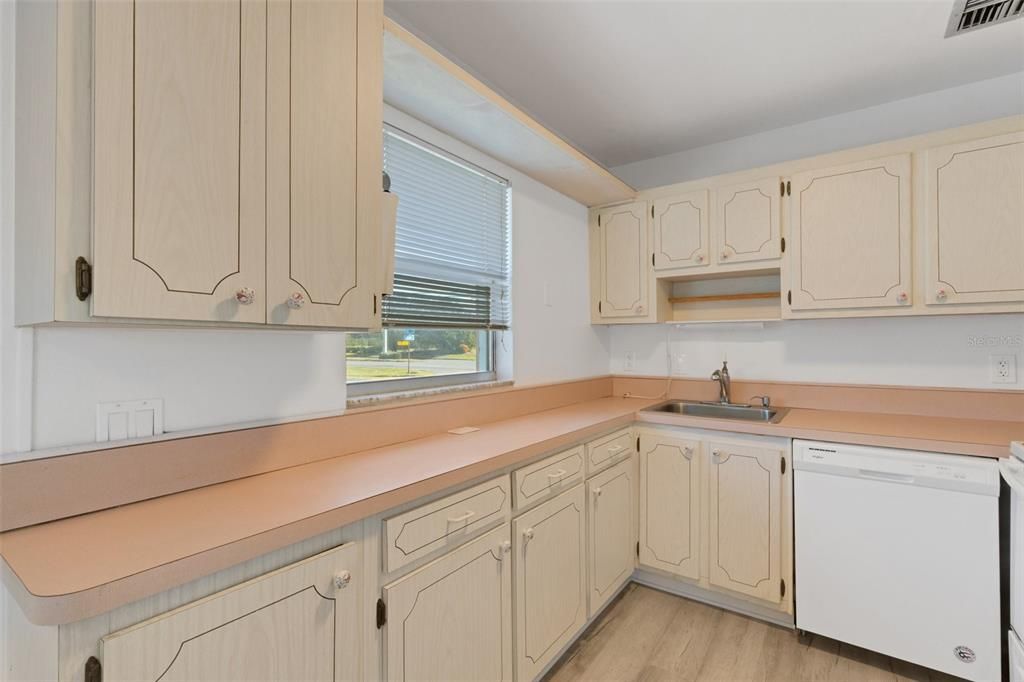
{"type": "Point", "coordinates": [1013, 473]}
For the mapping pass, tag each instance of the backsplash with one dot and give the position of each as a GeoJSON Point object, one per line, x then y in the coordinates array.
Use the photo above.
{"type": "Point", "coordinates": [950, 350]}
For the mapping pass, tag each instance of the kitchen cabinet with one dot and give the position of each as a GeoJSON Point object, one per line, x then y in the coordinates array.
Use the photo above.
{"type": "Point", "coordinates": [619, 265]}
{"type": "Point", "coordinates": [179, 159]}
{"type": "Point", "coordinates": [323, 164]}
{"type": "Point", "coordinates": [550, 580]}
{"type": "Point", "coordinates": [452, 619]}
{"type": "Point", "coordinates": [850, 230]}
{"type": "Point", "coordinates": [201, 162]}
{"type": "Point", "coordinates": [680, 231]}
{"type": "Point", "coordinates": [716, 510]}
{"type": "Point", "coordinates": [745, 519]}
{"type": "Point", "coordinates": [612, 532]}
{"type": "Point", "coordinates": [670, 499]}
{"type": "Point", "coordinates": [974, 222]}
{"type": "Point", "coordinates": [748, 222]}
{"type": "Point", "coordinates": [295, 624]}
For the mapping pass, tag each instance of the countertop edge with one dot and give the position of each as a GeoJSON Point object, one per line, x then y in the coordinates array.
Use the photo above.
{"type": "Point", "coordinates": [57, 609]}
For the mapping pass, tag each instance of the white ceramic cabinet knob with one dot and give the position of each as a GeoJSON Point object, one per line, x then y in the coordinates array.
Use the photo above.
{"type": "Point", "coordinates": [597, 492]}
{"type": "Point", "coordinates": [699, 258]}
{"type": "Point", "coordinates": [725, 255]}
{"type": "Point", "coordinates": [296, 300]}
{"type": "Point", "coordinates": [902, 297]}
{"type": "Point", "coordinates": [941, 295]}
{"type": "Point", "coordinates": [503, 549]}
{"type": "Point", "coordinates": [245, 296]}
{"type": "Point", "coordinates": [342, 579]}
{"type": "Point", "coordinates": [527, 535]}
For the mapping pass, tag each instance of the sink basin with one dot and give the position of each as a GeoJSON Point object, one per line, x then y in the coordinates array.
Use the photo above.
{"type": "Point", "coordinates": [750, 413]}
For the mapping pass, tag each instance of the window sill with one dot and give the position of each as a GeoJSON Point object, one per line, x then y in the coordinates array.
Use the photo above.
{"type": "Point", "coordinates": [378, 399]}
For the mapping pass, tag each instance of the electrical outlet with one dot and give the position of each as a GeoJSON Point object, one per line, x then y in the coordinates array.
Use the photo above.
{"type": "Point", "coordinates": [629, 362]}
{"type": "Point", "coordinates": [1003, 369]}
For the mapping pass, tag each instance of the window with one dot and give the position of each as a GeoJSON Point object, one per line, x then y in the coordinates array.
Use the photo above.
{"type": "Point", "coordinates": [451, 291]}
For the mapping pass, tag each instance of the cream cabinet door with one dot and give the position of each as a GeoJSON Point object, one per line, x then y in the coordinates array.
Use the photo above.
{"type": "Point", "coordinates": [550, 578]}
{"type": "Point", "coordinates": [850, 230]}
{"type": "Point", "coordinates": [179, 160]}
{"type": "Point", "coordinates": [745, 520]}
{"type": "Point", "coordinates": [452, 619]}
{"type": "Point", "coordinates": [298, 624]}
{"type": "Point", "coordinates": [324, 163]}
{"type": "Point", "coordinates": [622, 267]}
{"type": "Point", "coordinates": [681, 231]}
{"type": "Point", "coordinates": [747, 222]}
{"type": "Point", "coordinates": [670, 475]}
{"type": "Point", "coordinates": [975, 221]}
{"type": "Point", "coordinates": [612, 530]}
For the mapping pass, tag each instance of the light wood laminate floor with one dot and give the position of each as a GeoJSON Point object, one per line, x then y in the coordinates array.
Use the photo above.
{"type": "Point", "coordinates": [652, 635]}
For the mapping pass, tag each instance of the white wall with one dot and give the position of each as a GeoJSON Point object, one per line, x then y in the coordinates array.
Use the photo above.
{"type": "Point", "coordinates": [911, 351]}
{"type": "Point", "coordinates": [971, 103]}
{"type": "Point", "coordinates": [210, 378]}
{"type": "Point", "coordinates": [933, 351]}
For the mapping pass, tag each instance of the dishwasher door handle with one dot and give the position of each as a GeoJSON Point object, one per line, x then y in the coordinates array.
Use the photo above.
{"type": "Point", "coordinates": [884, 476]}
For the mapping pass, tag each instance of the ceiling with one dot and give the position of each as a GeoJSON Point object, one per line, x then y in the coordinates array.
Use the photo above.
{"type": "Point", "coordinates": [627, 80]}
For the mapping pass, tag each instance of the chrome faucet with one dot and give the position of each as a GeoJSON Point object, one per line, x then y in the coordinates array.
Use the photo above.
{"type": "Point", "coordinates": [724, 387]}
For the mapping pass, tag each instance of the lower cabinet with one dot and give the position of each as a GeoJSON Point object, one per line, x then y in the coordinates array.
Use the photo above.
{"type": "Point", "coordinates": [745, 520]}
{"type": "Point", "coordinates": [550, 581]}
{"type": "Point", "coordinates": [295, 624]}
{"type": "Point", "coordinates": [717, 509]}
{"type": "Point", "coordinates": [670, 499]}
{"type": "Point", "coordinates": [452, 619]}
{"type": "Point", "coordinates": [611, 527]}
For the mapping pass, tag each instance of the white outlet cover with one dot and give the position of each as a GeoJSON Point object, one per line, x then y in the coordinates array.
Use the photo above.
{"type": "Point", "coordinates": [128, 419]}
{"type": "Point", "coordinates": [1003, 369]}
{"type": "Point", "coordinates": [629, 361]}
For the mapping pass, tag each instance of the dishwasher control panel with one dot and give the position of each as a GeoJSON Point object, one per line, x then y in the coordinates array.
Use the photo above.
{"type": "Point", "coordinates": [956, 472]}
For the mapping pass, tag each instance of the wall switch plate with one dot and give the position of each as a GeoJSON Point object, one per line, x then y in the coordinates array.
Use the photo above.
{"type": "Point", "coordinates": [1003, 369]}
{"type": "Point", "coordinates": [129, 419]}
{"type": "Point", "coordinates": [629, 362]}
{"type": "Point", "coordinates": [678, 364]}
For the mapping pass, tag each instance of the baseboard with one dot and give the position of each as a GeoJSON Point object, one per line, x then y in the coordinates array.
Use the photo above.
{"type": "Point", "coordinates": [722, 601]}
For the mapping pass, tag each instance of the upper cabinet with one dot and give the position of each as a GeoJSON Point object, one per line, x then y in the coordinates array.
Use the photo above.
{"type": "Point", "coordinates": [850, 231]}
{"type": "Point", "coordinates": [179, 172]}
{"type": "Point", "coordinates": [974, 222]}
{"type": "Point", "coordinates": [680, 231]}
{"type": "Point", "coordinates": [747, 222]}
{"type": "Point", "coordinates": [228, 168]}
{"type": "Point", "coordinates": [619, 256]}
{"type": "Point", "coordinates": [324, 162]}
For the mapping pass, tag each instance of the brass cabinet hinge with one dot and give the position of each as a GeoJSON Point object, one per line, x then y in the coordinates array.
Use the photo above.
{"type": "Point", "coordinates": [83, 278]}
{"type": "Point", "coordinates": [782, 188]}
{"type": "Point", "coordinates": [783, 245]}
{"type": "Point", "coordinates": [789, 188]}
{"type": "Point", "coordinates": [638, 443]}
{"type": "Point", "coordinates": [93, 670]}
{"type": "Point", "coordinates": [782, 588]}
{"type": "Point", "coordinates": [652, 260]}
{"type": "Point", "coordinates": [789, 297]}
{"type": "Point", "coordinates": [375, 304]}
{"type": "Point", "coordinates": [783, 465]}
{"type": "Point", "coordinates": [598, 307]}
{"type": "Point", "coordinates": [652, 210]}
{"type": "Point", "coordinates": [638, 549]}
{"type": "Point", "coordinates": [599, 220]}
{"type": "Point", "coordinates": [382, 614]}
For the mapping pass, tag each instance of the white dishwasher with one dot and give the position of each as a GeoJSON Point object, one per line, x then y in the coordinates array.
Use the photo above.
{"type": "Point", "coordinates": [898, 552]}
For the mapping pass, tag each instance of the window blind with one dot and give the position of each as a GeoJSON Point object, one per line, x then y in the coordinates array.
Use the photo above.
{"type": "Point", "coordinates": [451, 239]}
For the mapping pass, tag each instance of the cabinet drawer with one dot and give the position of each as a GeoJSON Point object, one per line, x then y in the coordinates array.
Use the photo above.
{"type": "Point", "coordinates": [444, 523]}
{"type": "Point", "coordinates": [548, 477]}
{"type": "Point", "coordinates": [608, 450]}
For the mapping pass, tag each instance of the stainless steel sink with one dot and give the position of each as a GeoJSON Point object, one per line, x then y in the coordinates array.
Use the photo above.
{"type": "Point", "coordinates": [769, 415]}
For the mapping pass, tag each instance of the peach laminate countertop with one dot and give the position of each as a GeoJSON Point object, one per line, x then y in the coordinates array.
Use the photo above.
{"type": "Point", "coordinates": [77, 567]}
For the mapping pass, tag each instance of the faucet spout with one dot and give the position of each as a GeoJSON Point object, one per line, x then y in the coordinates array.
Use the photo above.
{"type": "Point", "coordinates": [724, 383]}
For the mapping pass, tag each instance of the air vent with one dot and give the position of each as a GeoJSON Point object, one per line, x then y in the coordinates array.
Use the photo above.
{"type": "Point", "coordinates": [969, 15]}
